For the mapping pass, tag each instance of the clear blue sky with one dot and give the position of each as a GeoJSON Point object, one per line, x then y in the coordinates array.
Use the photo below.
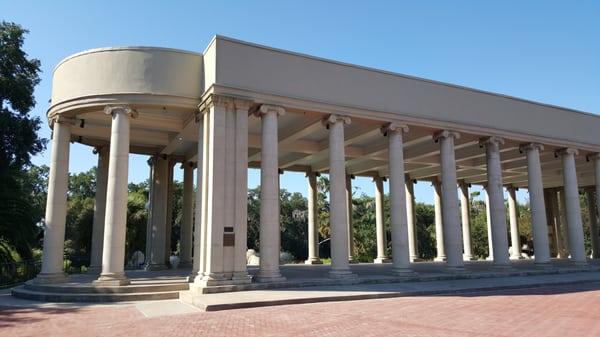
{"type": "Point", "coordinates": [547, 51]}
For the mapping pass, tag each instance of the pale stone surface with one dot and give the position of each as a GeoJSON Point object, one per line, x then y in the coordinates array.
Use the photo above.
{"type": "Point", "coordinates": [187, 209]}
{"type": "Point", "coordinates": [99, 211]}
{"type": "Point", "coordinates": [313, 233]}
{"type": "Point", "coordinates": [379, 222]}
{"type": "Point", "coordinates": [513, 212]}
{"type": "Point", "coordinates": [465, 217]}
{"type": "Point", "coordinates": [350, 211]}
{"type": "Point", "coordinates": [411, 218]}
{"type": "Point", "coordinates": [573, 210]}
{"type": "Point", "coordinates": [156, 231]}
{"type": "Point", "coordinates": [439, 228]}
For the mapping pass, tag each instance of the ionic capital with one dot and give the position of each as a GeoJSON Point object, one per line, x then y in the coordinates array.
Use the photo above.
{"type": "Point", "coordinates": [567, 151]}
{"type": "Point", "coordinates": [214, 100]}
{"type": "Point", "coordinates": [242, 104]}
{"type": "Point", "coordinates": [125, 109]}
{"type": "Point", "coordinates": [445, 134]}
{"type": "Point", "coordinates": [333, 119]}
{"type": "Point", "coordinates": [531, 146]}
{"type": "Point", "coordinates": [268, 108]}
{"type": "Point", "coordinates": [493, 140]}
{"type": "Point", "coordinates": [394, 127]}
{"type": "Point", "coordinates": [64, 120]}
{"type": "Point", "coordinates": [593, 156]}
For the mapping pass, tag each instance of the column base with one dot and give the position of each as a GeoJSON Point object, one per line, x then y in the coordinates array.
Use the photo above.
{"type": "Point", "coordinates": [404, 273]}
{"type": "Point", "coordinates": [439, 259]}
{"type": "Point", "coordinates": [342, 274]}
{"type": "Point", "coordinates": [468, 258]}
{"type": "Point", "coordinates": [352, 261]}
{"type": "Point", "coordinates": [314, 260]}
{"type": "Point", "coordinates": [155, 266]}
{"type": "Point", "coordinates": [517, 257]}
{"type": "Point", "coordinates": [381, 260]}
{"type": "Point", "coordinates": [111, 280]}
{"type": "Point", "coordinates": [489, 258]}
{"type": "Point", "coordinates": [269, 276]}
{"type": "Point", "coordinates": [50, 278]}
{"type": "Point", "coordinates": [219, 279]}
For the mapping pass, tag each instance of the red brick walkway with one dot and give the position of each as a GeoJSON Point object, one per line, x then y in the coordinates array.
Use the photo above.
{"type": "Point", "coordinates": [549, 311]}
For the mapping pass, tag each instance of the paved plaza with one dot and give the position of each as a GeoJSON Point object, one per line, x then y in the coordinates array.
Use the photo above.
{"type": "Point", "coordinates": [565, 310]}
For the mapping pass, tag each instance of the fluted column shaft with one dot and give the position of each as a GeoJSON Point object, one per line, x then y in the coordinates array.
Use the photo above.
{"type": "Point", "coordinates": [186, 238]}
{"type": "Point", "coordinates": [496, 196]}
{"type": "Point", "coordinates": [398, 218]}
{"type": "Point", "coordinates": [465, 212]}
{"type": "Point", "coordinates": [539, 222]}
{"type": "Point", "coordinates": [379, 222]}
{"type": "Point", "coordinates": [452, 236]}
{"type": "Point", "coordinates": [113, 251]}
{"type": "Point", "coordinates": [572, 207]}
{"type": "Point", "coordinates": [270, 237]}
{"type": "Point", "coordinates": [413, 248]}
{"type": "Point", "coordinates": [337, 197]}
{"type": "Point", "coordinates": [313, 232]}
{"type": "Point", "coordinates": [439, 228]}
{"type": "Point", "coordinates": [56, 204]}
{"type": "Point", "coordinates": [350, 210]}
{"type": "Point", "coordinates": [99, 211]}
{"type": "Point", "coordinates": [488, 220]}
{"type": "Point", "coordinates": [513, 212]}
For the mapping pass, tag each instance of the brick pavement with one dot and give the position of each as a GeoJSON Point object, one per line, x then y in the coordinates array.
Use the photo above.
{"type": "Point", "coordinates": [547, 311]}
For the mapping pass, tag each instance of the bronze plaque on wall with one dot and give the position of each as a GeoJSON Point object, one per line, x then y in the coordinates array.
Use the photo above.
{"type": "Point", "coordinates": [228, 239]}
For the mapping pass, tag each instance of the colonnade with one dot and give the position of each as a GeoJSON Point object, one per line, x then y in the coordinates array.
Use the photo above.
{"type": "Point", "coordinates": [220, 219]}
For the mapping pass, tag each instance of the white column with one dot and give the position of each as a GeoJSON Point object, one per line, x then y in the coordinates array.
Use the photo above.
{"type": "Point", "coordinates": [465, 212]}
{"type": "Point", "coordinates": [338, 212]}
{"type": "Point", "coordinates": [398, 219]}
{"type": "Point", "coordinates": [564, 231]}
{"type": "Point", "coordinates": [411, 219]}
{"type": "Point", "coordinates": [591, 201]}
{"type": "Point", "coordinates": [113, 251]}
{"type": "Point", "coordinates": [595, 232]}
{"type": "Point", "coordinates": [439, 227]}
{"type": "Point", "coordinates": [56, 204]}
{"type": "Point", "coordinates": [185, 238]}
{"type": "Point", "coordinates": [572, 207]}
{"type": "Point", "coordinates": [513, 212]}
{"type": "Point", "coordinates": [155, 260]}
{"type": "Point", "coordinates": [539, 222]}
{"type": "Point", "coordinates": [270, 236]}
{"type": "Point", "coordinates": [496, 197]}
{"type": "Point", "coordinates": [379, 222]}
{"type": "Point", "coordinates": [349, 211]}
{"type": "Point", "coordinates": [488, 220]}
{"type": "Point", "coordinates": [313, 231]}
{"type": "Point", "coordinates": [169, 223]}
{"type": "Point", "coordinates": [99, 210]}
{"type": "Point", "coordinates": [561, 249]}
{"type": "Point", "coordinates": [450, 216]}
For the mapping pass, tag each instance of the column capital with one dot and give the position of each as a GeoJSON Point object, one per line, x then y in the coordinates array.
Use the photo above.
{"type": "Point", "coordinates": [445, 134]}
{"type": "Point", "coordinates": [59, 118]}
{"type": "Point", "coordinates": [333, 118]}
{"type": "Point", "coordinates": [510, 187]}
{"type": "Point", "coordinates": [531, 146]}
{"type": "Point", "coordinates": [101, 149]}
{"type": "Point", "coordinates": [185, 164]}
{"type": "Point", "coordinates": [114, 109]}
{"type": "Point", "coordinates": [394, 127]}
{"type": "Point", "coordinates": [311, 172]}
{"type": "Point", "coordinates": [593, 156]}
{"type": "Point", "coordinates": [492, 140]}
{"type": "Point", "coordinates": [567, 151]}
{"type": "Point", "coordinates": [463, 183]}
{"type": "Point", "coordinates": [213, 100]}
{"type": "Point", "coordinates": [265, 109]}
{"type": "Point", "coordinates": [242, 104]}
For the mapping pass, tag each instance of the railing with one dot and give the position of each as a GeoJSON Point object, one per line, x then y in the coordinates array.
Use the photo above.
{"type": "Point", "coordinates": [13, 273]}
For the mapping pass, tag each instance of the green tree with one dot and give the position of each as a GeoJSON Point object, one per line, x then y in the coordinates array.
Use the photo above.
{"type": "Point", "coordinates": [18, 142]}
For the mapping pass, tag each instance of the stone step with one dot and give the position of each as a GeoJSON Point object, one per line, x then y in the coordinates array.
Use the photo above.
{"type": "Point", "coordinates": [74, 288]}
{"type": "Point", "coordinates": [23, 293]}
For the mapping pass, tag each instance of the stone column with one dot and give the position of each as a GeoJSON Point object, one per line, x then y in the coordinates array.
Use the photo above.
{"type": "Point", "coordinates": [155, 259]}
{"type": "Point", "coordinates": [558, 224]}
{"type": "Point", "coordinates": [185, 238]}
{"type": "Point", "coordinates": [450, 217]}
{"type": "Point", "coordinates": [439, 227]}
{"type": "Point", "coordinates": [398, 219]}
{"type": "Point", "coordinates": [595, 233]}
{"type": "Point", "coordinates": [199, 210]}
{"type": "Point", "coordinates": [572, 207]}
{"type": "Point", "coordinates": [349, 210]}
{"type": "Point", "coordinates": [56, 203]}
{"type": "Point", "coordinates": [413, 248]}
{"type": "Point", "coordinates": [591, 201]}
{"type": "Point", "coordinates": [270, 235]}
{"type": "Point", "coordinates": [149, 205]}
{"type": "Point", "coordinates": [113, 251]}
{"type": "Point", "coordinates": [169, 223]}
{"type": "Point", "coordinates": [539, 222]}
{"type": "Point", "coordinates": [379, 222]}
{"type": "Point", "coordinates": [337, 197]}
{"type": "Point", "coordinates": [465, 211]}
{"type": "Point", "coordinates": [313, 212]}
{"type": "Point", "coordinates": [496, 197]}
{"type": "Point", "coordinates": [513, 212]}
{"type": "Point", "coordinates": [562, 214]}
{"type": "Point", "coordinates": [488, 220]}
{"type": "Point", "coordinates": [99, 209]}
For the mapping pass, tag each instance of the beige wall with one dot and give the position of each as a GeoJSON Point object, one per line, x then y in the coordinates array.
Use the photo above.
{"type": "Point", "coordinates": [259, 69]}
